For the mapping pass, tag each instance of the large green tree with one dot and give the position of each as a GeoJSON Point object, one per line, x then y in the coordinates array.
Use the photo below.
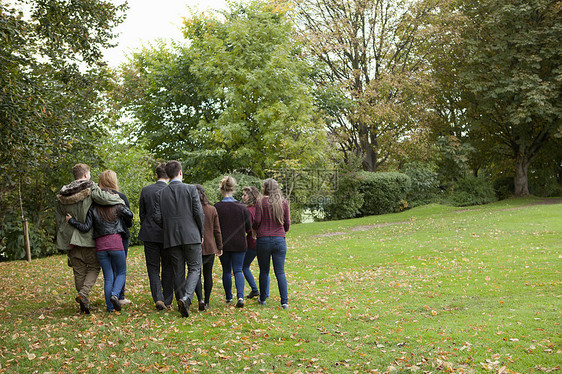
{"type": "Point", "coordinates": [51, 78]}
{"type": "Point", "coordinates": [372, 72]}
{"type": "Point", "coordinates": [236, 97]}
{"type": "Point", "coordinates": [510, 77]}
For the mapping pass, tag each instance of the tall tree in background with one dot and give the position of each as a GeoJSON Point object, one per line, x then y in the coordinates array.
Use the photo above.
{"type": "Point", "coordinates": [373, 60]}
{"type": "Point", "coordinates": [236, 98]}
{"type": "Point", "coordinates": [511, 77]}
{"type": "Point", "coordinates": [51, 77]}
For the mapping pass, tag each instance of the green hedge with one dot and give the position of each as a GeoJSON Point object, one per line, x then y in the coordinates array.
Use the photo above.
{"type": "Point", "coordinates": [346, 200]}
{"type": "Point", "coordinates": [472, 191]}
{"type": "Point", "coordinates": [383, 192]}
{"type": "Point", "coordinates": [425, 183]}
{"type": "Point", "coordinates": [12, 239]}
{"type": "Point", "coordinates": [212, 187]}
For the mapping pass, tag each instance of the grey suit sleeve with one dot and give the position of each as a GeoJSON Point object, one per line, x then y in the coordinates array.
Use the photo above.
{"type": "Point", "coordinates": [157, 215]}
{"type": "Point", "coordinates": [197, 210]}
{"type": "Point", "coordinates": [142, 209]}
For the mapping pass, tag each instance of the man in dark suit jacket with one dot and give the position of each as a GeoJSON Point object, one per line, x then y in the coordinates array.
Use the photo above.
{"type": "Point", "coordinates": [177, 209]}
{"type": "Point", "coordinates": [157, 258]}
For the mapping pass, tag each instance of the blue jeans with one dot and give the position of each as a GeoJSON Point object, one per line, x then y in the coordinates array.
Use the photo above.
{"type": "Point", "coordinates": [232, 263]}
{"type": "Point", "coordinates": [272, 248]}
{"type": "Point", "coordinates": [248, 258]}
{"type": "Point", "coordinates": [113, 281]}
{"type": "Point", "coordinates": [121, 295]}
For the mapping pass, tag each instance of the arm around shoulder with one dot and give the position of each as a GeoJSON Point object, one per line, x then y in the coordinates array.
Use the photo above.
{"type": "Point", "coordinates": [105, 198]}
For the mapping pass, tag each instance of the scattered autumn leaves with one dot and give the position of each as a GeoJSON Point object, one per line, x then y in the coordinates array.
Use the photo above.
{"type": "Point", "coordinates": [456, 292]}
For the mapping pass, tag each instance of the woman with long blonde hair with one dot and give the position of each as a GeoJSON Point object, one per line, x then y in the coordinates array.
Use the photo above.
{"type": "Point", "coordinates": [271, 222]}
{"type": "Point", "coordinates": [108, 180]}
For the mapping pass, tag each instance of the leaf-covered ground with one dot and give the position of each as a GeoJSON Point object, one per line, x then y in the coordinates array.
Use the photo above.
{"type": "Point", "coordinates": [433, 289]}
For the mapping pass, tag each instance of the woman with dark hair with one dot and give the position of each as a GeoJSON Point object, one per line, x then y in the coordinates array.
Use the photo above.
{"type": "Point", "coordinates": [108, 225]}
{"type": "Point", "coordinates": [271, 222]}
{"type": "Point", "coordinates": [251, 196]}
{"type": "Point", "coordinates": [234, 223]}
{"type": "Point", "coordinates": [212, 245]}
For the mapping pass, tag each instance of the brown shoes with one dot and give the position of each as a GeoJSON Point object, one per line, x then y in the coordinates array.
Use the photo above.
{"type": "Point", "coordinates": [115, 301]}
{"type": "Point", "coordinates": [160, 305]}
{"type": "Point", "coordinates": [84, 304]}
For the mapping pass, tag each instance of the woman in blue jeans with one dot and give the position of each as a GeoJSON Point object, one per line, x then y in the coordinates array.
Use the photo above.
{"type": "Point", "coordinates": [234, 221]}
{"type": "Point", "coordinates": [271, 222]}
{"type": "Point", "coordinates": [250, 195]}
{"type": "Point", "coordinates": [108, 225]}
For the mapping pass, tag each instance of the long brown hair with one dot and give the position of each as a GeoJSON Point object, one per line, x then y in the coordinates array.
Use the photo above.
{"type": "Point", "coordinates": [108, 179]}
{"type": "Point", "coordinates": [271, 190]}
{"type": "Point", "coordinates": [254, 195]}
{"type": "Point", "coordinates": [107, 212]}
{"type": "Point", "coordinates": [202, 195]}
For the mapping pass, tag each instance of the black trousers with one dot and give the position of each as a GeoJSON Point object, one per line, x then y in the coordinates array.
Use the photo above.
{"type": "Point", "coordinates": [160, 273]}
{"type": "Point", "coordinates": [207, 275]}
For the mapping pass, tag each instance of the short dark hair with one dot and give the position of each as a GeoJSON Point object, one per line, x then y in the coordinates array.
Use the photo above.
{"type": "Point", "coordinates": [173, 168]}
{"type": "Point", "coordinates": [161, 171]}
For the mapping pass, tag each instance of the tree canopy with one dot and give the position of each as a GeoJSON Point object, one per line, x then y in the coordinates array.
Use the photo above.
{"type": "Point", "coordinates": [508, 75]}
{"type": "Point", "coordinates": [237, 96]}
{"type": "Point", "coordinates": [51, 81]}
{"type": "Point", "coordinates": [372, 70]}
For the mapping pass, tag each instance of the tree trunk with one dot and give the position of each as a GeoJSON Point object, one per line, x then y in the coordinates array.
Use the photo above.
{"type": "Point", "coordinates": [520, 181]}
{"type": "Point", "coordinates": [367, 148]}
{"type": "Point", "coordinates": [369, 159]}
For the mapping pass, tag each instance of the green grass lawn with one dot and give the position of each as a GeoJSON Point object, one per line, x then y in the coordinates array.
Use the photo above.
{"type": "Point", "coordinates": [432, 289]}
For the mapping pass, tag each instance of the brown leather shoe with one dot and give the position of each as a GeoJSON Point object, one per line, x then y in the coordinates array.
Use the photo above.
{"type": "Point", "coordinates": [160, 305]}
{"type": "Point", "coordinates": [84, 304]}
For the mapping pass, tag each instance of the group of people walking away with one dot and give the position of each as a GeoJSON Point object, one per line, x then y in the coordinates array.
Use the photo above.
{"type": "Point", "coordinates": [179, 227]}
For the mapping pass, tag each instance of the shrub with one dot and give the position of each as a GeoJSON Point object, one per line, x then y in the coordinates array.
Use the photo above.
{"type": "Point", "coordinates": [472, 191]}
{"type": "Point", "coordinates": [424, 183]}
{"type": "Point", "coordinates": [12, 240]}
{"type": "Point", "coordinates": [212, 187]}
{"type": "Point", "coordinates": [544, 183]}
{"type": "Point", "coordinates": [346, 199]}
{"type": "Point", "coordinates": [504, 187]}
{"type": "Point", "coordinates": [383, 192]}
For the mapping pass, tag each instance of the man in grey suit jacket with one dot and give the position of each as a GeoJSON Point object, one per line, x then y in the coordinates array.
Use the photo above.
{"type": "Point", "coordinates": [157, 258]}
{"type": "Point", "coordinates": [177, 209]}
